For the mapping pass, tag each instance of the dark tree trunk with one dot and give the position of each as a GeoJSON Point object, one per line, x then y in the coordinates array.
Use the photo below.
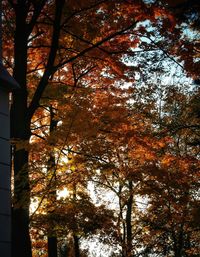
{"type": "Point", "coordinates": [52, 246]}
{"type": "Point", "coordinates": [121, 222]}
{"type": "Point", "coordinates": [21, 115]}
{"type": "Point", "coordinates": [20, 130]}
{"type": "Point", "coordinates": [128, 221]}
{"type": "Point", "coordinates": [52, 238]}
{"type": "Point", "coordinates": [75, 237]}
{"type": "Point", "coordinates": [178, 244]}
{"type": "Point", "coordinates": [76, 246]}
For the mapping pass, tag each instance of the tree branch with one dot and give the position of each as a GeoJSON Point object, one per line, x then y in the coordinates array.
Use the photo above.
{"type": "Point", "coordinates": [96, 45]}
{"type": "Point", "coordinates": [52, 55]}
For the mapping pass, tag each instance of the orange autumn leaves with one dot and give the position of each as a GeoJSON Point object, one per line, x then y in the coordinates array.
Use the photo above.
{"type": "Point", "coordinates": [102, 134]}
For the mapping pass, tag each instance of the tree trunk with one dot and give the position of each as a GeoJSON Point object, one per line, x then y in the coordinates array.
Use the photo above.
{"type": "Point", "coordinates": [21, 115]}
{"type": "Point", "coordinates": [20, 131]}
{"type": "Point", "coordinates": [52, 238]}
{"type": "Point", "coordinates": [52, 246]}
{"type": "Point", "coordinates": [128, 221]}
{"type": "Point", "coordinates": [76, 246]}
{"type": "Point", "coordinates": [178, 249]}
{"type": "Point", "coordinates": [75, 237]}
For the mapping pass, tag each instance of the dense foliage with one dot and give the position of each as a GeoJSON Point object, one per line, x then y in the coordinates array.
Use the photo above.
{"type": "Point", "coordinates": [108, 112]}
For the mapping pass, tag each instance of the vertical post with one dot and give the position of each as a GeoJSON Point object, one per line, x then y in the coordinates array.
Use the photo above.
{"type": "Point", "coordinates": [0, 31]}
{"type": "Point", "coordinates": [5, 202]}
{"type": "Point", "coordinates": [5, 197]}
{"type": "Point", "coordinates": [5, 188]}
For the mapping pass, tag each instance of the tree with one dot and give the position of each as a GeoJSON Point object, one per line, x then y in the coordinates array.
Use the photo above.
{"type": "Point", "coordinates": [171, 182]}
{"type": "Point", "coordinates": [114, 144]}
{"type": "Point", "coordinates": [51, 40]}
{"type": "Point", "coordinates": [185, 46]}
{"type": "Point", "coordinates": [52, 51]}
{"type": "Point", "coordinates": [169, 220]}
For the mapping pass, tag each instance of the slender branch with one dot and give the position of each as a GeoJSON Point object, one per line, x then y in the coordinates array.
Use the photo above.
{"type": "Point", "coordinates": [163, 50]}
{"type": "Point", "coordinates": [36, 135]}
{"type": "Point", "coordinates": [56, 165]}
{"type": "Point", "coordinates": [36, 68]}
{"type": "Point", "coordinates": [52, 55]}
{"type": "Point", "coordinates": [96, 45]}
{"type": "Point", "coordinates": [35, 36]}
{"type": "Point", "coordinates": [38, 6]}
{"type": "Point", "coordinates": [39, 127]}
{"type": "Point", "coordinates": [84, 154]}
{"type": "Point", "coordinates": [82, 10]}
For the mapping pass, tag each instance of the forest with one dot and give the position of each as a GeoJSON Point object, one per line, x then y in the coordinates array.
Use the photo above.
{"type": "Point", "coordinates": [105, 128]}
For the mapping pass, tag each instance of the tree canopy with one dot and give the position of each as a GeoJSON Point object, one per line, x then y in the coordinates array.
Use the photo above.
{"type": "Point", "coordinates": [108, 112]}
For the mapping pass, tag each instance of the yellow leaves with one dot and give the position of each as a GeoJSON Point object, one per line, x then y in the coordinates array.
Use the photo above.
{"type": "Point", "coordinates": [68, 40]}
{"type": "Point", "coordinates": [168, 160]}
{"type": "Point", "coordinates": [181, 166]}
{"type": "Point", "coordinates": [96, 40]}
{"type": "Point", "coordinates": [142, 154]}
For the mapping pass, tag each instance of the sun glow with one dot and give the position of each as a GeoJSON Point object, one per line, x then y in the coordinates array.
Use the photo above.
{"type": "Point", "coordinates": [63, 193]}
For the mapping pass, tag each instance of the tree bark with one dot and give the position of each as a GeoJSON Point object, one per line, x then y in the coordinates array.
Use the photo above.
{"type": "Point", "coordinates": [20, 130]}
{"type": "Point", "coordinates": [178, 244]}
{"type": "Point", "coordinates": [52, 238]}
{"type": "Point", "coordinates": [52, 246]}
{"type": "Point", "coordinates": [76, 246]}
{"type": "Point", "coordinates": [128, 221]}
{"type": "Point", "coordinates": [21, 115]}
